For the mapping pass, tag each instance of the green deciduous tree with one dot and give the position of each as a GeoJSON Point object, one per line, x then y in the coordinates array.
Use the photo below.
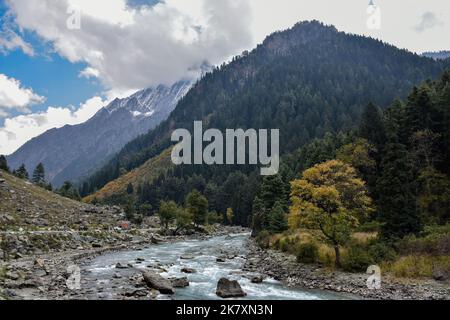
{"type": "Point", "coordinates": [197, 206]}
{"type": "Point", "coordinates": [168, 212]}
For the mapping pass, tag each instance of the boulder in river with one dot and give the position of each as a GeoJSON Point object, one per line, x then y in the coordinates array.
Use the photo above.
{"type": "Point", "coordinates": [188, 270]}
{"type": "Point", "coordinates": [229, 289]}
{"type": "Point", "coordinates": [155, 281]}
{"type": "Point", "coordinates": [257, 279]}
{"type": "Point", "coordinates": [179, 282]}
{"type": "Point", "coordinates": [121, 266]}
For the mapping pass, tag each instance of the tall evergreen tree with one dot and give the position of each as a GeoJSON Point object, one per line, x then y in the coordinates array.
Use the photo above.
{"type": "Point", "coordinates": [371, 126]}
{"type": "Point", "coordinates": [22, 172]}
{"type": "Point", "coordinates": [3, 163]}
{"type": "Point", "coordinates": [396, 188]}
{"type": "Point", "coordinates": [273, 190]}
{"type": "Point", "coordinates": [258, 220]}
{"type": "Point", "coordinates": [277, 220]}
{"type": "Point", "coordinates": [39, 175]}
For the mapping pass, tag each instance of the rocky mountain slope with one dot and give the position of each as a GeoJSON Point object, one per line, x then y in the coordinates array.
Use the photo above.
{"type": "Point", "coordinates": [72, 152]}
{"type": "Point", "coordinates": [34, 220]}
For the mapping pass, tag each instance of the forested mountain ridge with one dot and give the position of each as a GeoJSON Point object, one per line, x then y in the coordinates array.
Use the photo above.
{"type": "Point", "coordinates": [308, 80]}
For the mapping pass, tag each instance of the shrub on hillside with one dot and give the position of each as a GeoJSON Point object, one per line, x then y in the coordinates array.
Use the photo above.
{"type": "Point", "coordinates": [263, 239]}
{"type": "Point", "coordinates": [380, 252]}
{"type": "Point", "coordinates": [357, 258]}
{"type": "Point", "coordinates": [307, 253]}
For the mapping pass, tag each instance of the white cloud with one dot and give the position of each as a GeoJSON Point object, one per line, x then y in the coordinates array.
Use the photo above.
{"type": "Point", "coordinates": [428, 21]}
{"type": "Point", "coordinates": [9, 41]}
{"type": "Point", "coordinates": [18, 130]}
{"type": "Point", "coordinates": [140, 47]}
{"type": "Point", "coordinates": [14, 96]}
{"type": "Point", "coordinates": [9, 38]}
{"type": "Point", "coordinates": [90, 73]}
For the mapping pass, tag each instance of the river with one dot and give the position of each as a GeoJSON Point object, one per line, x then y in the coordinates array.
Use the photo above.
{"type": "Point", "coordinates": [103, 278]}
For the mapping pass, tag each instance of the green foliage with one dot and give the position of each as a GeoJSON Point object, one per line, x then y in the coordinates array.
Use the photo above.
{"type": "Point", "coordinates": [434, 240]}
{"type": "Point", "coordinates": [277, 219]}
{"type": "Point", "coordinates": [168, 212]}
{"type": "Point", "coordinates": [3, 163]}
{"type": "Point", "coordinates": [396, 188]}
{"type": "Point", "coordinates": [263, 239]}
{"type": "Point", "coordinates": [357, 258]}
{"type": "Point", "coordinates": [183, 220]}
{"type": "Point", "coordinates": [68, 190]}
{"type": "Point", "coordinates": [371, 126]}
{"type": "Point", "coordinates": [130, 208]}
{"type": "Point", "coordinates": [21, 172]}
{"type": "Point", "coordinates": [380, 251]}
{"type": "Point", "coordinates": [258, 216]}
{"type": "Point", "coordinates": [307, 253]}
{"type": "Point", "coordinates": [214, 217]}
{"type": "Point", "coordinates": [197, 206]}
{"type": "Point", "coordinates": [230, 216]}
{"type": "Point", "coordinates": [39, 175]}
{"type": "Point", "coordinates": [143, 209]}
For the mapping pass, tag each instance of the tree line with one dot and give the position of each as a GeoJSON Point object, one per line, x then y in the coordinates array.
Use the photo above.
{"type": "Point", "coordinates": [68, 189]}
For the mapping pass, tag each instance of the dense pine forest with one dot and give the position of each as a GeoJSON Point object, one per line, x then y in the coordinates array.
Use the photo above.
{"type": "Point", "coordinates": [307, 81]}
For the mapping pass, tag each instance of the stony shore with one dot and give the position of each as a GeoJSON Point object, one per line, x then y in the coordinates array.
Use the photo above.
{"type": "Point", "coordinates": [44, 276]}
{"type": "Point", "coordinates": [283, 267]}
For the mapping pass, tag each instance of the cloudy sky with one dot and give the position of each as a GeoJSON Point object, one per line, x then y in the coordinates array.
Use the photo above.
{"type": "Point", "coordinates": [59, 67]}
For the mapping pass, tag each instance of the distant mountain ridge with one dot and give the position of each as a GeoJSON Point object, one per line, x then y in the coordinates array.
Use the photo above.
{"type": "Point", "coordinates": [73, 152]}
{"type": "Point", "coordinates": [439, 55]}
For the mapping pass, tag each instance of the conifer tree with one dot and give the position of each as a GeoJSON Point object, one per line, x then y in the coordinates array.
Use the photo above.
{"type": "Point", "coordinates": [22, 172]}
{"type": "Point", "coordinates": [371, 125]}
{"type": "Point", "coordinates": [39, 175]}
{"type": "Point", "coordinates": [396, 189]}
{"type": "Point", "coordinates": [3, 163]}
{"type": "Point", "coordinates": [277, 220]}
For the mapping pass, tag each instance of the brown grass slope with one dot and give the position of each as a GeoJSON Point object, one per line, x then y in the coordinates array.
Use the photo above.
{"type": "Point", "coordinates": [147, 172]}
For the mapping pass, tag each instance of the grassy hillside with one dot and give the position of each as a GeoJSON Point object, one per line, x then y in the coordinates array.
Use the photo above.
{"type": "Point", "coordinates": [145, 173]}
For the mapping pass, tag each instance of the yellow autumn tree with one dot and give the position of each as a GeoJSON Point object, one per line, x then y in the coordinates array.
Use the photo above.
{"type": "Point", "coordinates": [331, 198]}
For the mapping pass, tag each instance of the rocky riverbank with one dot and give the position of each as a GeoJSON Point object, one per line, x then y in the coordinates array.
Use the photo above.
{"type": "Point", "coordinates": [283, 267]}
{"type": "Point", "coordinates": [45, 276]}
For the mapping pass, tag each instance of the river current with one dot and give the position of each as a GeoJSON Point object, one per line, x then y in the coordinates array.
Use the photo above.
{"type": "Point", "coordinates": [200, 255]}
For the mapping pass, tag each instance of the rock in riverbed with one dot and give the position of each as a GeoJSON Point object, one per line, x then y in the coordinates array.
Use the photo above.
{"type": "Point", "coordinates": [257, 279]}
{"type": "Point", "coordinates": [229, 289]}
{"type": "Point", "coordinates": [179, 282]}
{"type": "Point", "coordinates": [155, 281]}
{"type": "Point", "coordinates": [188, 270]}
{"type": "Point", "coordinates": [121, 266]}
